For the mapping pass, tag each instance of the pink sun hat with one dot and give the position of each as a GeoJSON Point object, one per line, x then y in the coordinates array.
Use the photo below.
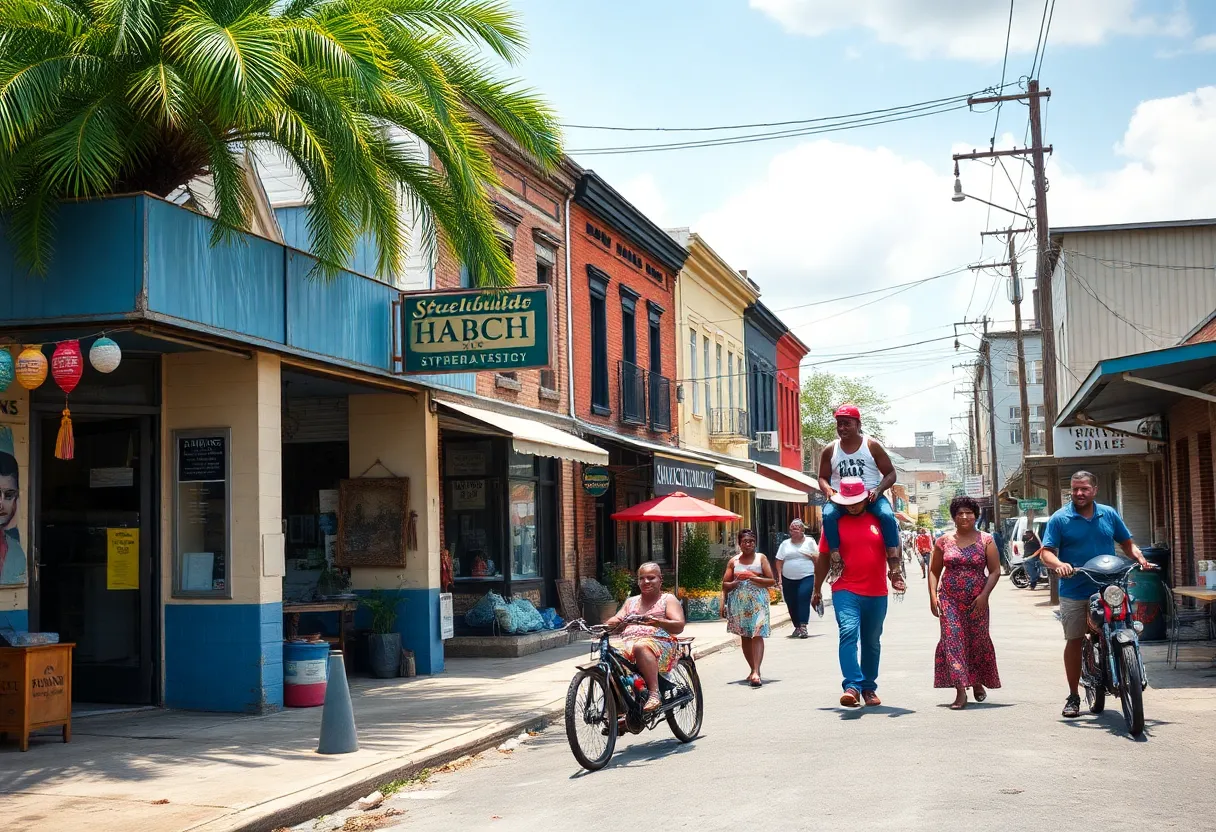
{"type": "Point", "coordinates": [852, 490]}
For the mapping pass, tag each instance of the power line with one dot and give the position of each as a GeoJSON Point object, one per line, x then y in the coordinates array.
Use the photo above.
{"type": "Point", "coordinates": [1004, 65]}
{"type": "Point", "coordinates": [1042, 52]}
{"type": "Point", "coordinates": [752, 138]}
{"type": "Point", "coordinates": [817, 120]}
{"type": "Point", "coordinates": [1038, 45]}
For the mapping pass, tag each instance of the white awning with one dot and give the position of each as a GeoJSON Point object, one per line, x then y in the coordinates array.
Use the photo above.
{"type": "Point", "coordinates": [796, 476]}
{"type": "Point", "coordinates": [766, 489]}
{"type": "Point", "coordinates": [531, 437]}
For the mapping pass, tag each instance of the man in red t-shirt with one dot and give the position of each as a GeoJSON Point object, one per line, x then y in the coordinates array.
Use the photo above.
{"type": "Point", "coordinates": [859, 591]}
{"type": "Point", "coordinates": [924, 548]}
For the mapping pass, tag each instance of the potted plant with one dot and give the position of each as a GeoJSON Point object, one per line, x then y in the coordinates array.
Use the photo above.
{"type": "Point", "coordinates": [620, 582]}
{"type": "Point", "coordinates": [384, 642]}
{"type": "Point", "coordinates": [598, 603]}
{"type": "Point", "coordinates": [700, 587]}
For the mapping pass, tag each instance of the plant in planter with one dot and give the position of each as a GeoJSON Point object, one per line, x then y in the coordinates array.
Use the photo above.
{"type": "Point", "coordinates": [620, 582]}
{"type": "Point", "coordinates": [384, 642]}
{"type": "Point", "coordinates": [332, 581]}
{"type": "Point", "coordinates": [700, 578]}
{"type": "Point", "coordinates": [598, 603]}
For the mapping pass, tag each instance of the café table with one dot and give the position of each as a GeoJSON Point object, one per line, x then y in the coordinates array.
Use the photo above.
{"type": "Point", "coordinates": [1205, 595]}
{"type": "Point", "coordinates": [345, 609]}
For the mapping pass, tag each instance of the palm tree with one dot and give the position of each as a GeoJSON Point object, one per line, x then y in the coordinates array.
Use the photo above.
{"type": "Point", "coordinates": [115, 96]}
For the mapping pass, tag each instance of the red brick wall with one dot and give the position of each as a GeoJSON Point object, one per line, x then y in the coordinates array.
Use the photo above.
{"type": "Point", "coordinates": [1207, 333]}
{"type": "Point", "coordinates": [585, 249]}
{"type": "Point", "coordinates": [1192, 420]}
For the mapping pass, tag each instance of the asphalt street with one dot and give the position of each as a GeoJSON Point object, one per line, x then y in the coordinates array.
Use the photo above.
{"type": "Point", "coordinates": [786, 756]}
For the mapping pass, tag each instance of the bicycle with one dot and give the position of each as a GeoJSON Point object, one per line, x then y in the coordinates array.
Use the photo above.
{"type": "Point", "coordinates": [605, 696]}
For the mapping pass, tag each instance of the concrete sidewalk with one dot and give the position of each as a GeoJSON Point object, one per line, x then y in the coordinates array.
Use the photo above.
{"type": "Point", "coordinates": [171, 771]}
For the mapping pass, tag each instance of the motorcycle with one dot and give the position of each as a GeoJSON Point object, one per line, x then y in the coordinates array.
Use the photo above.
{"type": "Point", "coordinates": [1110, 653]}
{"type": "Point", "coordinates": [607, 696]}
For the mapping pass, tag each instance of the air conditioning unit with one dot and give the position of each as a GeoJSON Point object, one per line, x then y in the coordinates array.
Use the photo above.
{"type": "Point", "coordinates": [766, 440]}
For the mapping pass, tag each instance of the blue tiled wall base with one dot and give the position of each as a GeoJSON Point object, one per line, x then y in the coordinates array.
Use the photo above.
{"type": "Point", "coordinates": [224, 657]}
{"type": "Point", "coordinates": [19, 620]}
{"type": "Point", "coordinates": [418, 623]}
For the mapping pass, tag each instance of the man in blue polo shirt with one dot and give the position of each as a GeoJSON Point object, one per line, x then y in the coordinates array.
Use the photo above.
{"type": "Point", "coordinates": [1077, 532]}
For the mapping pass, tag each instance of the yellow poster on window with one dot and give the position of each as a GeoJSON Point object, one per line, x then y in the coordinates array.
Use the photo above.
{"type": "Point", "coordinates": [122, 558]}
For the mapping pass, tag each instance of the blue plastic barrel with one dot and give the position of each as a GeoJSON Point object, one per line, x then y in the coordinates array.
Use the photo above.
{"type": "Point", "coordinates": [304, 673]}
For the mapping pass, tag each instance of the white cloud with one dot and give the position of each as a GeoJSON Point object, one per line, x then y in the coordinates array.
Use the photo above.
{"type": "Point", "coordinates": [1207, 43]}
{"type": "Point", "coordinates": [646, 195]}
{"type": "Point", "coordinates": [829, 219]}
{"type": "Point", "coordinates": [973, 30]}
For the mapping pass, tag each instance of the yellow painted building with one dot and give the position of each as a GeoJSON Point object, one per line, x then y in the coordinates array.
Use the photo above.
{"type": "Point", "coordinates": [711, 363]}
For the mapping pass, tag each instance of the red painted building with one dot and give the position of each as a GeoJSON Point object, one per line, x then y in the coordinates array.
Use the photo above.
{"type": "Point", "coordinates": [790, 352]}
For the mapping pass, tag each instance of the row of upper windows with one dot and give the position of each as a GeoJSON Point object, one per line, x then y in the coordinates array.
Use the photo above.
{"type": "Point", "coordinates": [717, 382]}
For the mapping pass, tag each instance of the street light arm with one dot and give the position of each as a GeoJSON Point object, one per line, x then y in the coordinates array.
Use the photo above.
{"type": "Point", "coordinates": [998, 207]}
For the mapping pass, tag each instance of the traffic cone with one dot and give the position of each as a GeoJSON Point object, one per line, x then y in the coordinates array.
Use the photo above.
{"type": "Point", "coordinates": [338, 733]}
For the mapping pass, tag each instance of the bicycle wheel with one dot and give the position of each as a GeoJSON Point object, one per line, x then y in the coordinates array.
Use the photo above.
{"type": "Point", "coordinates": [591, 727]}
{"type": "Point", "coordinates": [685, 721]}
{"type": "Point", "coordinates": [1091, 678]}
{"type": "Point", "coordinates": [1131, 689]}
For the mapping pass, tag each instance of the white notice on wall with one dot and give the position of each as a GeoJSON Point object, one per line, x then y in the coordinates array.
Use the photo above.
{"type": "Point", "coordinates": [468, 495]}
{"type": "Point", "coordinates": [327, 499]}
{"type": "Point", "coordinates": [1088, 441]}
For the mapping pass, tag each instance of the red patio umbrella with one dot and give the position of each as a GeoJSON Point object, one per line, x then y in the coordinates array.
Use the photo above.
{"type": "Point", "coordinates": [678, 508]}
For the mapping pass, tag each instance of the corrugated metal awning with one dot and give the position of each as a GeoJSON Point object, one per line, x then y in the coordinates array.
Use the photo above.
{"type": "Point", "coordinates": [531, 437]}
{"type": "Point", "coordinates": [766, 489]}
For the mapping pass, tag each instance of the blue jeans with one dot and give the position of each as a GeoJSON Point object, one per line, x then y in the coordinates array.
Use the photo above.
{"type": "Point", "coordinates": [880, 508]}
{"type": "Point", "coordinates": [860, 619]}
{"type": "Point", "coordinates": [798, 598]}
{"type": "Point", "coordinates": [1033, 570]}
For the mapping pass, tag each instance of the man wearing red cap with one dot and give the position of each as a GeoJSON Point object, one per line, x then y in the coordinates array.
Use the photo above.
{"type": "Point", "coordinates": [855, 455]}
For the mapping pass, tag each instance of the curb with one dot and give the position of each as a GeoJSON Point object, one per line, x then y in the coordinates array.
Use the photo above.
{"type": "Point", "coordinates": [292, 809]}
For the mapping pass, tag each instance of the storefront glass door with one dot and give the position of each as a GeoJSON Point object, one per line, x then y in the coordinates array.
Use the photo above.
{"type": "Point", "coordinates": [93, 578]}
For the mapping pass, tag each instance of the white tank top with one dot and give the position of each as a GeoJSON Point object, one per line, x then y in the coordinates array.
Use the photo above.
{"type": "Point", "coordinates": [860, 463]}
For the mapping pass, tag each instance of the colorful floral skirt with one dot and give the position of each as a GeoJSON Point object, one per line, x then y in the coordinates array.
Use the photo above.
{"type": "Point", "coordinates": [747, 611]}
{"type": "Point", "coordinates": [665, 647]}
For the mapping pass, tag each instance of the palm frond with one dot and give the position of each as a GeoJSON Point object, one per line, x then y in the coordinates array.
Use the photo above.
{"type": "Point", "coordinates": [86, 153]}
{"type": "Point", "coordinates": [477, 22]}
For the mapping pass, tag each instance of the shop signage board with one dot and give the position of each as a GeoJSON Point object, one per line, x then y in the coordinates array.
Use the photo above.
{"type": "Point", "coordinates": [1083, 441]}
{"type": "Point", "coordinates": [447, 619]}
{"type": "Point", "coordinates": [596, 480]}
{"type": "Point", "coordinates": [973, 486]}
{"type": "Point", "coordinates": [672, 475]}
{"type": "Point", "coordinates": [1033, 504]}
{"type": "Point", "coordinates": [202, 513]}
{"type": "Point", "coordinates": [472, 330]}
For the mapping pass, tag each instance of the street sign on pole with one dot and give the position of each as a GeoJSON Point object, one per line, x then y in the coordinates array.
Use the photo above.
{"type": "Point", "coordinates": [1033, 504]}
{"type": "Point", "coordinates": [973, 486]}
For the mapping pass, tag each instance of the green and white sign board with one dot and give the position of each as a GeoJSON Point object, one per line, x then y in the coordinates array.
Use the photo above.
{"type": "Point", "coordinates": [596, 480]}
{"type": "Point", "coordinates": [474, 330]}
{"type": "Point", "coordinates": [1033, 504]}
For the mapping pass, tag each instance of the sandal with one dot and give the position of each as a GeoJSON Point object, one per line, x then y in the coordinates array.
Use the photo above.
{"type": "Point", "coordinates": [958, 706]}
{"type": "Point", "coordinates": [980, 695]}
{"type": "Point", "coordinates": [652, 704]}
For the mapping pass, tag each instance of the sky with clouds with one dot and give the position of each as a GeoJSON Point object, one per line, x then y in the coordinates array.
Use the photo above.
{"type": "Point", "coordinates": [1132, 119]}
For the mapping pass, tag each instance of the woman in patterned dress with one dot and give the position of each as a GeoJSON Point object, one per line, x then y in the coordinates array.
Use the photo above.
{"type": "Point", "coordinates": [746, 582]}
{"type": "Point", "coordinates": [959, 598]}
{"type": "Point", "coordinates": [652, 622]}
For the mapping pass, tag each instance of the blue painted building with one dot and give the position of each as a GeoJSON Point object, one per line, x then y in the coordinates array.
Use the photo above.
{"type": "Point", "coordinates": [761, 332]}
{"type": "Point", "coordinates": [203, 490]}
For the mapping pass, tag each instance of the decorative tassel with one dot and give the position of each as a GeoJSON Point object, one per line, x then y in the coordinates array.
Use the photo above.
{"type": "Point", "coordinates": [411, 533]}
{"type": "Point", "coordinates": [65, 445]}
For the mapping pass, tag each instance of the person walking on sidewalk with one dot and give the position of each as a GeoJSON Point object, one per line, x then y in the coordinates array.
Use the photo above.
{"type": "Point", "coordinates": [855, 455]}
{"type": "Point", "coordinates": [1081, 530]}
{"type": "Point", "coordinates": [795, 567]}
{"type": "Point", "coordinates": [859, 591]}
{"type": "Point", "coordinates": [968, 558]}
{"type": "Point", "coordinates": [1031, 544]}
{"type": "Point", "coordinates": [746, 581]}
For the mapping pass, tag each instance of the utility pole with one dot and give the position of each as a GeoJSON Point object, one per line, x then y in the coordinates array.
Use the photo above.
{"type": "Point", "coordinates": [1043, 277]}
{"type": "Point", "coordinates": [1015, 296]}
{"type": "Point", "coordinates": [992, 466]}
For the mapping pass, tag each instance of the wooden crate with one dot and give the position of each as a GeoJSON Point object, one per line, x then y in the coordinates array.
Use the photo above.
{"type": "Point", "coordinates": [35, 690]}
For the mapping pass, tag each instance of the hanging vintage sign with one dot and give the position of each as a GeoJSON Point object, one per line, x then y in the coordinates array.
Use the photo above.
{"type": "Point", "coordinates": [596, 480]}
{"type": "Point", "coordinates": [672, 475]}
{"type": "Point", "coordinates": [473, 330]}
{"type": "Point", "coordinates": [1091, 440]}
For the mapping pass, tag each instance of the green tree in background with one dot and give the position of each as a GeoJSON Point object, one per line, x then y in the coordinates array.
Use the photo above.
{"type": "Point", "coordinates": [924, 520]}
{"type": "Point", "coordinates": [823, 392]}
{"type": "Point", "coordinates": [102, 97]}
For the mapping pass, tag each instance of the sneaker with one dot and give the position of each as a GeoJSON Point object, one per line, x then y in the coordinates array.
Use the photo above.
{"type": "Point", "coordinates": [1072, 707]}
{"type": "Point", "coordinates": [871, 698]}
{"type": "Point", "coordinates": [802, 633]}
{"type": "Point", "coordinates": [851, 698]}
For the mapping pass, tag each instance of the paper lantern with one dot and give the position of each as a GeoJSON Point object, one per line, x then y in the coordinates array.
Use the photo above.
{"type": "Point", "coordinates": [6, 368]}
{"type": "Point", "coordinates": [67, 365]}
{"type": "Point", "coordinates": [105, 355]}
{"type": "Point", "coordinates": [31, 367]}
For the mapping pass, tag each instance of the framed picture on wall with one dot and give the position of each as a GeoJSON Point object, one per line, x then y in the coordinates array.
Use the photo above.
{"type": "Point", "coordinates": [373, 520]}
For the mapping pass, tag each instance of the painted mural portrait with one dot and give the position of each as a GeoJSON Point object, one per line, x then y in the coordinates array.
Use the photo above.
{"type": "Point", "coordinates": [12, 556]}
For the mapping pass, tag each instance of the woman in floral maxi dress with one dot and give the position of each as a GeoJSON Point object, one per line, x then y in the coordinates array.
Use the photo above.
{"type": "Point", "coordinates": [962, 574]}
